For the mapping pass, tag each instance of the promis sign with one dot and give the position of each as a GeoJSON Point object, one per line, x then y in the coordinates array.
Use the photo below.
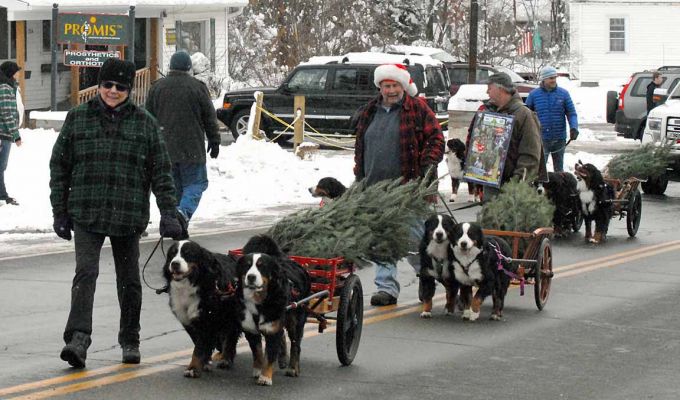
{"type": "Point", "coordinates": [99, 29]}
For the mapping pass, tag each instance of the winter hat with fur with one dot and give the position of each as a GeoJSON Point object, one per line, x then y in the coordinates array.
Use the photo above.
{"type": "Point", "coordinates": [121, 71]}
{"type": "Point", "coordinates": [547, 72]}
{"type": "Point", "coordinates": [502, 80]}
{"type": "Point", "coordinates": [397, 73]}
{"type": "Point", "coordinates": [180, 61]}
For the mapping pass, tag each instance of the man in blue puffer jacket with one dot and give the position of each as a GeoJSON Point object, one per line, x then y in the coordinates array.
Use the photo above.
{"type": "Point", "coordinates": [552, 104]}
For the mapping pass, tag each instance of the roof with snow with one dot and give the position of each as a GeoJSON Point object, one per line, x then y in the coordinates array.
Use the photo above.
{"type": "Point", "coordinates": [434, 52]}
{"type": "Point", "coordinates": [18, 10]}
{"type": "Point", "coordinates": [373, 58]}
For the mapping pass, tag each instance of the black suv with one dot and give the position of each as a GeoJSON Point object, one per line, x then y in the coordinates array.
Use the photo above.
{"type": "Point", "coordinates": [627, 110]}
{"type": "Point", "coordinates": [334, 88]}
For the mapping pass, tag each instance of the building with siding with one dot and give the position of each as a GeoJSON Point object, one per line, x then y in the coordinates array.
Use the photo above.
{"type": "Point", "coordinates": [614, 38]}
{"type": "Point", "coordinates": [25, 38]}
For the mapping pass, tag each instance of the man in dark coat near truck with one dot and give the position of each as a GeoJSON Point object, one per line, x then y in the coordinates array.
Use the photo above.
{"type": "Point", "coordinates": [186, 114]}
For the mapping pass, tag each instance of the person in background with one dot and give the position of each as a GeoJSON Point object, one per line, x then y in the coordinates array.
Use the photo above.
{"type": "Point", "coordinates": [397, 135]}
{"type": "Point", "coordinates": [186, 114]}
{"type": "Point", "coordinates": [657, 80]}
{"type": "Point", "coordinates": [107, 158]}
{"type": "Point", "coordinates": [9, 122]}
{"type": "Point", "coordinates": [552, 104]}
{"type": "Point", "coordinates": [524, 159]}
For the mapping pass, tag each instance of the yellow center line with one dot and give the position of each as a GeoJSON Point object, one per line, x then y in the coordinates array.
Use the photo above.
{"type": "Point", "coordinates": [374, 315]}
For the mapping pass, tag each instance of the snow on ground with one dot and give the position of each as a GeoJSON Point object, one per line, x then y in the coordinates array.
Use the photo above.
{"type": "Point", "coordinates": [590, 102]}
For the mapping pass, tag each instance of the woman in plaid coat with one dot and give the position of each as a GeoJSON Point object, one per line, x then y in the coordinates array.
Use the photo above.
{"type": "Point", "coordinates": [108, 156]}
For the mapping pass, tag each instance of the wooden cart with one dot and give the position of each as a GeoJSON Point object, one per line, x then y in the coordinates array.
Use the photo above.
{"type": "Point", "coordinates": [337, 295]}
{"type": "Point", "coordinates": [535, 263]}
{"type": "Point", "coordinates": [627, 202]}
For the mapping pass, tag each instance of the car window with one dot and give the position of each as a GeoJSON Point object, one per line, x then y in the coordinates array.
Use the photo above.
{"type": "Point", "coordinates": [640, 86]}
{"type": "Point", "coordinates": [309, 80]}
{"type": "Point", "coordinates": [435, 79]}
{"type": "Point", "coordinates": [458, 76]}
{"type": "Point", "coordinates": [483, 75]}
{"type": "Point", "coordinates": [352, 80]}
{"type": "Point", "coordinates": [512, 74]}
{"type": "Point", "coordinates": [672, 87]}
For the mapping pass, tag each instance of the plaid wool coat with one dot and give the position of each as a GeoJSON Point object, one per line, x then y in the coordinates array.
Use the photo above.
{"type": "Point", "coordinates": [9, 115]}
{"type": "Point", "coordinates": [104, 164]}
{"type": "Point", "coordinates": [421, 139]}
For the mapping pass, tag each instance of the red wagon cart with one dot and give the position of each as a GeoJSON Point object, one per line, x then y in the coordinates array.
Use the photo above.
{"type": "Point", "coordinates": [337, 295]}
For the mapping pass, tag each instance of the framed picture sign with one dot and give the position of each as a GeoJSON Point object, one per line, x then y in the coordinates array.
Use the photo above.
{"type": "Point", "coordinates": [489, 142]}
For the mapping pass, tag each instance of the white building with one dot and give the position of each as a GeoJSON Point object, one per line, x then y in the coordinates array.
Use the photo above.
{"type": "Point", "coordinates": [614, 38]}
{"type": "Point", "coordinates": [203, 23]}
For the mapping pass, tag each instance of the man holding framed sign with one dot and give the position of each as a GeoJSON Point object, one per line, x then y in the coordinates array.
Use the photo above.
{"type": "Point", "coordinates": [505, 140]}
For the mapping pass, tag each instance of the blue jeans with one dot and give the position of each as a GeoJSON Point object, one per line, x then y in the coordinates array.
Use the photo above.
{"type": "Point", "coordinates": [5, 146]}
{"type": "Point", "coordinates": [556, 148]}
{"type": "Point", "coordinates": [386, 274]}
{"type": "Point", "coordinates": [191, 180]}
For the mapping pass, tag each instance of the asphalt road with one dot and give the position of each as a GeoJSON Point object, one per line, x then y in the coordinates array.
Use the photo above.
{"type": "Point", "coordinates": [610, 330]}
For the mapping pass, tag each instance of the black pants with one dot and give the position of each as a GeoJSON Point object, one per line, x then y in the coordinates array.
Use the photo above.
{"type": "Point", "coordinates": [126, 259]}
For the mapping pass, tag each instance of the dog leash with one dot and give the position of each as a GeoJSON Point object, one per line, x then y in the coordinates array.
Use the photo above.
{"type": "Point", "coordinates": [508, 273]}
{"type": "Point", "coordinates": [157, 290]}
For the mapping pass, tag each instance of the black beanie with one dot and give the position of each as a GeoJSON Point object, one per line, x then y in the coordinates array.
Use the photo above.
{"type": "Point", "coordinates": [9, 68]}
{"type": "Point", "coordinates": [120, 71]}
{"type": "Point", "coordinates": [502, 80]}
{"type": "Point", "coordinates": [180, 61]}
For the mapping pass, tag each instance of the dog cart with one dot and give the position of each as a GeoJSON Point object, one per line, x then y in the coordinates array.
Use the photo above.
{"type": "Point", "coordinates": [337, 295]}
{"type": "Point", "coordinates": [627, 202]}
{"type": "Point", "coordinates": [535, 261]}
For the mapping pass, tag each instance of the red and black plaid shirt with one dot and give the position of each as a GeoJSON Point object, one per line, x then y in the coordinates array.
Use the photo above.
{"type": "Point", "coordinates": [420, 137]}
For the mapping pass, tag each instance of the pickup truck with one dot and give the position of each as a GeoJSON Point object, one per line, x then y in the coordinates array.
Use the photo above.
{"type": "Point", "coordinates": [663, 127]}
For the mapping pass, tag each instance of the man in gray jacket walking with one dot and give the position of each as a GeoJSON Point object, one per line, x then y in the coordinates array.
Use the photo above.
{"type": "Point", "coordinates": [186, 115]}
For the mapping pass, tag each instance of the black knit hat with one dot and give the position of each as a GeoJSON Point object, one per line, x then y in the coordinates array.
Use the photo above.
{"type": "Point", "coordinates": [180, 61]}
{"type": "Point", "coordinates": [9, 68]}
{"type": "Point", "coordinates": [116, 70]}
{"type": "Point", "coordinates": [502, 80]}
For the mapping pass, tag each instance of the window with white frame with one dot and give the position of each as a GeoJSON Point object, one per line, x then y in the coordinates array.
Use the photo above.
{"type": "Point", "coordinates": [617, 34]}
{"type": "Point", "coordinates": [194, 37]}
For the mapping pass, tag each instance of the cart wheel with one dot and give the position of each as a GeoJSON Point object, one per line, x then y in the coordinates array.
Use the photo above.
{"type": "Point", "coordinates": [350, 320]}
{"type": "Point", "coordinates": [543, 273]}
{"type": "Point", "coordinates": [634, 213]}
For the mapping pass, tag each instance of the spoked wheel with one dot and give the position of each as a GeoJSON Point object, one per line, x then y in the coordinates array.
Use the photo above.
{"type": "Point", "coordinates": [543, 274]}
{"type": "Point", "coordinates": [350, 320]}
{"type": "Point", "coordinates": [634, 213]}
{"type": "Point", "coordinates": [578, 221]}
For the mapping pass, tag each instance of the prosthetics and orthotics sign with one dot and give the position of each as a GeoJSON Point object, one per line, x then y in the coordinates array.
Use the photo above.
{"type": "Point", "coordinates": [88, 58]}
{"type": "Point", "coordinates": [99, 29]}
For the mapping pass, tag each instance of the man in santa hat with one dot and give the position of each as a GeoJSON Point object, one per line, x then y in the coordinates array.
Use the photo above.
{"type": "Point", "coordinates": [397, 135]}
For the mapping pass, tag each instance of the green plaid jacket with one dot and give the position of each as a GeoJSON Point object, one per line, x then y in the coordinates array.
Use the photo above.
{"type": "Point", "coordinates": [9, 115]}
{"type": "Point", "coordinates": [103, 165]}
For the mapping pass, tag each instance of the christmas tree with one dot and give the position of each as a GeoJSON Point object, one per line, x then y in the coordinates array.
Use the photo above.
{"type": "Point", "coordinates": [369, 221]}
{"type": "Point", "coordinates": [647, 161]}
{"type": "Point", "coordinates": [518, 207]}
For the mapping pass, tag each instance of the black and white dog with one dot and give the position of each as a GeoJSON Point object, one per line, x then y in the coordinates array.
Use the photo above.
{"type": "Point", "coordinates": [455, 160]}
{"type": "Point", "coordinates": [268, 282]}
{"type": "Point", "coordinates": [328, 189]}
{"type": "Point", "coordinates": [562, 193]}
{"type": "Point", "coordinates": [596, 201]}
{"type": "Point", "coordinates": [479, 261]}
{"type": "Point", "coordinates": [436, 263]}
{"type": "Point", "coordinates": [202, 289]}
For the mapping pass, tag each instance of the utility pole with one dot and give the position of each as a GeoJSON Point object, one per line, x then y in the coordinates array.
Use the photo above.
{"type": "Point", "coordinates": [472, 57]}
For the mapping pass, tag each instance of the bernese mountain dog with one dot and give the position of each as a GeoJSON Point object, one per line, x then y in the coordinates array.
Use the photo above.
{"type": "Point", "coordinates": [203, 298]}
{"type": "Point", "coordinates": [268, 282]}
{"type": "Point", "coordinates": [562, 193]}
{"type": "Point", "coordinates": [436, 263]}
{"type": "Point", "coordinates": [328, 189]}
{"type": "Point", "coordinates": [455, 160]}
{"type": "Point", "coordinates": [596, 201]}
{"type": "Point", "coordinates": [480, 261]}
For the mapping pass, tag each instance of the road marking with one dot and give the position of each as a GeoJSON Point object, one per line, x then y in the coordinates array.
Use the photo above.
{"type": "Point", "coordinates": [381, 314]}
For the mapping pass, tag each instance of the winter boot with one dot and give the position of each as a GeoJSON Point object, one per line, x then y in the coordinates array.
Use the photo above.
{"type": "Point", "coordinates": [75, 351]}
{"type": "Point", "coordinates": [131, 354]}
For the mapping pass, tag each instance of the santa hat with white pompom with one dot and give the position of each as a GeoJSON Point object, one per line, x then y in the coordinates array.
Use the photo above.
{"type": "Point", "coordinates": [398, 73]}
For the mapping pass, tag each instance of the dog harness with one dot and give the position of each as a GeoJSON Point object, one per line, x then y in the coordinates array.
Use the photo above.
{"type": "Point", "coordinates": [511, 274]}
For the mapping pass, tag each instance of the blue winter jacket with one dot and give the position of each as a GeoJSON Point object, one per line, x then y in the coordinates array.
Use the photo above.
{"type": "Point", "coordinates": [551, 107]}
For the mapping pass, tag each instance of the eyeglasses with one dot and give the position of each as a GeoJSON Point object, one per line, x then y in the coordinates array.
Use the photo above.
{"type": "Point", "coordinates": [119, 86]}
